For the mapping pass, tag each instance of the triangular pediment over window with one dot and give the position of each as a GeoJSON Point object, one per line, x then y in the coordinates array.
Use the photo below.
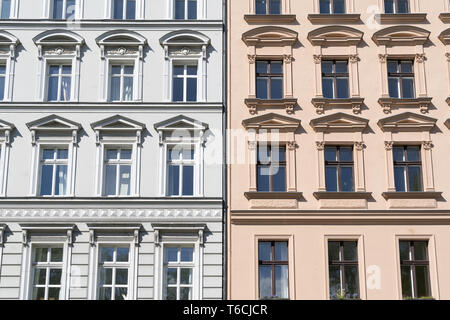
{"type": "Point", "coordinates": [181, 123]}
{"type": "Point", "coordinates": [117, 123]}
{"type": "Point", "coordinates": [339, 122]}
{"type": "Point", "coordinates": [445, 36]}
{"type": "Point", "coordinates": [53, 123]}
{"type": "Point", "coordinates": [6, 126]}
{"type": "Point", "coordinates": [272, 121]}
{"type": "Point", "coordinates": [407, 121]}
{"type": "Point", "coordinates": [401, 35]}
{"type": "Point", "coordinates": [270, 36]}
{"type": "Point", "coordinates": [335, 35]}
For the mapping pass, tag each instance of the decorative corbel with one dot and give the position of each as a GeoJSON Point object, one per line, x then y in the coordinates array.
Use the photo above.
{"type": "Point", "coordinates": [388, 145]}
{"type": "Point", "coordinates": [102, 51]}
{"type": "Point", "coordinates": [2, 230]}
{"type": "Point", "coordinates": [291, 145]}
{"type": "Point", "coordinates": [290, 108]}
{"type": "Point", "coordinates": [25, 237]}
{"type": "Point", "coordinates": [251, 58]}
{"type": "Point", "coordinates": [136, 237]}
{"type": "Point", "coordinates": [252, 145]}
{"type": "Point", "coordinates": [201, 237]}
{"type": "Point", "coordinates": [12, 51]}
{"type": "Point", "coordinates": [161, 140]}
{"type": "Point", "coordinates": [141, 52]}
{"type": "Point", "coordinates": [7, 137]}
{"type": "Point", "coordinates": [353, 58]}
{"type": "Point", "coordinates": [317, 58]}
{"type": "Point", "coordinates": [424, 107]}
{"type": "Point", "coordinates": [74, 137]}
{"type": "Point", "coordinates": [427, 145]}
{"type": "Point", "coordinates": [91, 237]}
{"type": "Point", "coordinates": [320, 145]}
{"type": "Point", "coordinates": [320, 107]}
{"type": "Point", "coordinates": [33, 137]}
{"type": "Point", "coordinates": [139, 137]}
{"type": "Point", "coordinates": [356, 107]}
{"type": "Point", "coordinates": [359, 145]}
{"type": "Point", "coordinates": [420, 57]}
{"type": "Point", "coordinates": [204, 51]}
{"type": "Point", "coordinates": [78, 51]}
{"type": "Point", "coordinates": [157, 238]}
{"type": "Point", "coordinates": [97, 137]}
{"type": "Point", "coordinates": [447, 55]}
{"type": "Point", "coordinates": [382, 57]}
{"type": "Point", "coordinates": [287, 58]}
{"type": "Point", "coordinates": [166, 52]}
{"type": "Point", "coordinates": [39, 51]}
{"type": "Point", "coordinates": [69, 237]}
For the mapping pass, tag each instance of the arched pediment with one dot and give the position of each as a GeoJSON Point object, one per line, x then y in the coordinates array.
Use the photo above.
{"type": "Point", "coordinates": [181, 122]}
{"type": "Point", "coordinates": [184, 38]}
{"type": "Point", "coordinates": [121, 37]}
{"type": "Point", "coordinates": [270, 35]}
{"type": "Point", "coordinates": [117, 123]}
{"type": "Point", "coordinates": [61, 37]}
{"type": "Point", "coordinates": [401, 35]}
{"type": "Point", "coordinates": [7, 38]}
{"type": "Point", "coordinates": [272, 121]}
{"type": "Point", "coordinates": [339, 122]}
{"type": "Point", "coordinates": [335, 35]}
{"type": "Point", "coordinates": [407, 121]}
{"type": "Point", "coordinates": [445, 36]}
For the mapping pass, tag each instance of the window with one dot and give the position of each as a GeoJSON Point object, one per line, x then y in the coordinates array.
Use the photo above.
{"type": "Point", "coordinates": [184, 84]}
{"type": "Point", "coordinates": [332, 6]}
{"type": "Point", "coordinates": [335, 79]}
{"type": "Point", "coordinates": [178, 273]}
{"type": "Point", "coordinates": [117, 172]}
{"type": "Point", "coordinates": [2, 81]}
{"type": "Point", "coordinates": [271, 169]}
{"type": "Point", "coordinates": [63, 9]}
{"type": "Point", "coordinates": [124, 9]}
{"type": "Point", "coordinates": [114, 267]}
{"type": "Point", "coordinates": [414, 267]}
{"type": "Point", "coordinates": [185, 9]}
{"type": "Point", "coordinates": [180, 167]}
{"type": "Point", "coordinates": [269, 79]}
{"type": "Point", "coordinates": [339, 169]}
{"type": "Point", "coordinates": [407, 169]}
{"type": "Point", "coordinates": [396, 6]}
{"type": "Point", "coordinates": [343, 269]}
{"type": "Point", "coordinates": [5, 9]}
{"type": "Point", "coordinates": [273, 270]}
{"type": "Point", "coordinates": [401, 79]}
{"type": "Point", "coordinates": [53, 168]}
{"type": "Point", "coordinates": [59, 82]}
{"type": "Point", "coordinates": [122, 77]}
{"type": "Point", "coordinates": [47, 272]}
{"type": "Point", "coordinates": [268, 6]}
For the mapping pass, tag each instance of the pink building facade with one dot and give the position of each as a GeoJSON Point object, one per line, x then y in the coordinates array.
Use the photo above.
{"type": "Point", "coordinates": [338, 176]}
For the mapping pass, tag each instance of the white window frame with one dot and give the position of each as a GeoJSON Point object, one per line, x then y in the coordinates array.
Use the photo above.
{"type": "Point", "coordinates": [5, 140]}
{"type": "Point", "coordinates": [195, 162]}
{"type": "Point", "coordinates": [47, 12]}
{"type": "Point", "coordinates": [185, 77]}
{"type": "Point", "coordinates": [413, 6]}
{"type": "Point", "coordinates": [14, 9]}
{"type": "Point", "coordinates": [166, 235]}
{"type": "Point", "coordinates": [122, 65]}
{"type": "Point", "coordinates": [105, 235]}
{"type": "Point", "coordinates": [59, 235]}
{"type": "Point", "coordinates": [59, 76]}
{"type": "Point", "coordinates": [140, 10]}
{"type": "Point", "coordinates": [349, 6]}
{"type": "Point", "coordinates": [201, 10]}
{"type": "Point", "coordinates": [53, 163]}
{"type": "Point", "coordinates": [8, 58]}
{"type": "Point", "coordinates": [117, 163]}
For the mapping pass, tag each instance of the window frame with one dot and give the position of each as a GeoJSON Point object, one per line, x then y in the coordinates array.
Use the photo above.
{"type": "Point", "coordinates": [54, 163]}
{"type": "Point", "coordinates": [185, 77]}
{"type": "Point", "coordinates": [268, 12]}
{"type": "Point", "coordinates": [5, 145]}
{"type": "Point", "coordinates": [201, 10]}
{"type": "Point", "coordinates": [60, 75]}
{"type": "Point", "coordinates": [186, 10]}
{"type": "Point", "coordinates": [269, 77]}
{"type": "Point", "coordinates": [332, 7]}
{"type": "Point", "coordinates": [273, 264]}
{"type": "Point", "coordinates": [124, 10]}
{"type": "Point", "coordinates": [401, 75]}
{"type": "Point", "coordinates": [118, 162]}
{"type": "Point", "coordinates": [122, 76]}
{"type": "Point", "coordinates": [406, 163]}
{"type": "Point", "coordinates": [192, 162]}
{"type": "Point", "coordinates": [12, 9]}
{"type": "Point", "coordinates": [338, 164]}
{"type": "Point", "coordinates": [334, 76]}
{"type": "Point", "coordinates": [270, 164]}
{"type": "Point", "coordinates": [64, 12]}
{"type": "Point", "coordinates": [395, 7]}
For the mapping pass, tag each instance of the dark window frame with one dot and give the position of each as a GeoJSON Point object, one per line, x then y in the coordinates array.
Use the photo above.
{"type": "Point", "coordinates": [269, 75]}
{"type": "Point", "coordinates": [395, 7]}
{"type": "Point", "coordinates": [268, 12]}
{"type": "Point", "coordinates": [334, 75]}
{"type": "Point", "coordinates": [406, 163]}
{"type": "Point", "coordinates": [401, 75]}
{"type": "Point", "coordinates": [332, 7]}
{"type": "Point", "coordinates": [344, 263]}
{"type": "Point", "coordinates": [413, 263]}
{"type": "Point", "coordinates": [338, 163]}
{"type": "Point", "coordinates": [273, 263]}
{"type": "Point", "coordinates": [269, 164]}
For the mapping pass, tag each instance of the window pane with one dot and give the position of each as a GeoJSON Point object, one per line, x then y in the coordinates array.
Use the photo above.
{"type": "Point", "coordinates": [264, 251]}
{"type": "Point", "coordinates": [328, 88]}
{"type": "Point", "coordinates": [40, 255]}
{"type": "Point", "coordinates": [261, 88]}
{"type": "Point", "coordinates": [6, 9]}
{"type": "Point", "coordinates": [127, 88]}
{"type": "Point", "coordinates": [55, 276]}
{"type": "Point", "coordinates": [276, 67]}
{"type": "Point", "coordinates": [53, 293]}
{"type": "Point", "coordinates": [335, 281]}
{"type": "Point", "coordinates": [188, 180]}
{"type": "Point", "coordinates": [48, 154]}
{"type": "Point", "coordinates": [39, 276]}
{"type": "Point", "coordinates": [420, 250]}
{"type": "Point", "coordinates": [192, 9]}
{"type": "Point", "coordinates": [171, 294]}
{"type": "Point", "coordinates": [263, 178]}
{"type": "Point", "coordinates": [415, 179]}
{"type": "Point", "coordinates": [275, 7]}
{"type": "Point", "coordinates": [70, 9]}
{"type": "Point", "coordinates": [346, 154]}
{"type": "Point", "coordinates": [121, 276]}
{"type": "Point", "coordinates": [65, 89]}
{"type": "Point", "coordinates": [115, 89]}
{"type": "Point", "coordinates": [404, 250]}
{"type": "Point", "coordinates": [172, 275]}
{"type": "Point", "coordinates": [120, 294]}
{"type": "Point", "coordinates": [276, 91]}
{"type": "Point", "coordinates": [407, 67]}
{"type": "Point", "coordinates": [128, 69]}
{"type": "Point", "coordinates": [60, 180]}
{"type": "Point", "coordinates": [281, 252]}
{"type": "Point", "coordinates": [422, 279]}
{"type": "Point", "coordinates": [57, 9]}
{"type": "Point", "coordinates": [111, 154]}
{"type": "Point", "coordinates": [282, 282]}
{"type": "Point", "coordinates": [38, 293]}
{"type": "Point", "coordinates": [52, 89]}
{"type": "Point", "coordinates": [178, 70]}
{"type": "Point", "coordinates": [174, 180]}
{"type": "Point", "coordinates": [62, 154]}
{"type": "Point", "coordinates": [264, 153]}
{"type": "Point", "coordinates": [279, 179]}
{"type": "Point", "coordinates": [351, 282]}
{"type": "Point", "coordinates": [188, 153]}
{"type": "Point", "coordinates": [341, 66]}
{"type": "Point", "coordinates": [399, 176]}
{"type": "Point", "coordinates": [265, 282]}
{"type": "Point", "coordinates": [342, 88]}
{"type": "Point", "coordinates": [261, 6]}
{"type": "Point", "coordinates": [125, 154]}
{"type": "Point", "coordinates": [408, 88]}
{"type": "Point", "coordinates": [107, 254]}
{"type": "Point", "coordinates": [171, 254]}
{"type": "Point", "coordinates": [398, 154]}
{"type": "Point", "coordinates": [177, 90]}
{"type": "Point", "coordinates": [118, 9]}
{"type": "Point", "coordinates": [122, 254]}
{"type": "Point", "coordinates": [393, 88]}
{"type": "Point", "coordinates": [116, 70]}
{"type": "Point", "coordinates": [186, 276]}
{"type": "Point", "coordinates": [325, 6]}
{"type": "Point", "coordinates": [262, 66]}
{"type": "Point", "coordinates": [191, 70]}
{"type": "Point", "coordinates": [333, 251]}
{"type": "Point", "coordinates": [131, 9]}
{"type": "Point", "coordinates": [179, 9]}
{"type": "Point", "coordinates": [56, 254]}
{"type": "Point", "coordinates": [46, 180]}
{"type": "Point", "coordinates": [187, 254]}
{"type": "Point", "coordinates": [185, 293]}
{"type": "Point", "coordinates": [392, 66]}
{"type": "Point", "coordinates": [347, 179]}
{"type": "Point", "coordinates": [389, 6]}
{"type": "Point", "coordinates": [327, 66]}
{"type": "Point", "coordinates": [191, 91]}
{"type": "Point", "coordinates": [331, 179]}
{"type": "Point", "coordinates": [105, 294]}
{"type": "Point", "coordinates": [403, 6]}
{"type": "Point", "coordinates": [339, 6]}
{"type": "Point", "coordinates": [110, 180]}
{"type": "Point", "coordinates": [350, 251]}
{"type": "Point", "coordinates": [413, 153]}
{"type": "Point", "coordinates": [2, 88]}
{"type": "Point", "coordinates": [125, 178]}
{"type": "Point", "coordinates": [406, 282]}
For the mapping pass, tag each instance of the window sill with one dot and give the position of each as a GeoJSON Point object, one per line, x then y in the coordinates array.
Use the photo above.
{"type": "Point", "coordinates": [342, 200]}
{"type": "Point", "coordinates": [334, 18]}
{"type": "Point", "coordinates": [422, 103]}
{"type": "Point", "coordinates": [273, 200]}
{"type": "Point", "coordinates": [254, 104]}
{"type": "Point", "coordinates": [445, 17]}
{"type": "Point", "coordinates": [402, 17]}
{"type": "Point", "coordinates": [273, 195]}
{"type": "Point", "coordinates": [270, 18]}
{"type": "Point", "coordinates": [412, 195]}
{"type": "Point", "coordinates": [321, 103]}
{"type": "Point", "coordinates": [412, 200]}
{"type": "Point", "coordinates": [342, 195]}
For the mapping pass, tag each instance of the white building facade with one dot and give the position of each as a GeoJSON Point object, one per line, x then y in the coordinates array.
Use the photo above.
{"type": "Point", "coordinates": [111, 125]}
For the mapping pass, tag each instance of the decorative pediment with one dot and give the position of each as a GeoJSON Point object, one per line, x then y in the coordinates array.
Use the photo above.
{"type": "Point", "coordinates": [53, 124]}
{"type": "Point", "coordinates": [184, 38]}
{"type": "Point", "coordinates": [121, 41]}
{"type": "Point", "coordinates": [59, 42]}
{"type": "Point", "coordinates": [445, 36]}
{"type": "Point", "coordinates": [181, 123]}
{"type": "Point", "coordinates": [339, 122]}
{"type": "Point", "coordinates": [9, 42]}
{"type": "Point", "coordinates": [117, 123]}
{"type": "Point", "coordinates": [272, 121]}
{"type": "Point", "coordinates": [266, 36]}
{"type": "Point", "coordinates": [407, 121]}
{"type": "Point", "coordinates": [335, 35]}
{"type": "Point", "coordinates": [401, 35]}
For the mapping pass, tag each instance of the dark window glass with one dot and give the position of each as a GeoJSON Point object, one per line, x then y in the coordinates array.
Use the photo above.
{"type": "Point", "coordinates": [273, 270]}
{"type": "Point", "coordinates": [335, 79]}
{"type": "Point", "coordinates": [332, 6]}
{"type": "Point", "coordinates": [131, 9]}
{"type": "Point", "coordinates": [396, 6]}
{"type": "Point", "coordinates": [269, 80]}
{"type": "Point", "coordinates": [339, 169]}
{"type": "Point", "coordinates": [192, 9]}
{"type": "Point", "coordinates": [186, 9]}
{"type": "Point", "coordinates": [414, 269]}
{"type": "Point", "coordinates": [268, 6]}
{"type": "Point", "coordinates": [407, 169]}
{"type": "Point", "coordinates": [58, 9]}
{"type": "Point", "coordinates": [401, 79]}
{"type": "Point", "coordinates": [343, 269]}
{"type": "Point", "coordinates": [179, 9]}
{"type": "Point", "coordinates": [118, 9]}
{"type": "Point", "coordinates": [6, 9]}
{"type": "Point", "coordinates": [271, 169]}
